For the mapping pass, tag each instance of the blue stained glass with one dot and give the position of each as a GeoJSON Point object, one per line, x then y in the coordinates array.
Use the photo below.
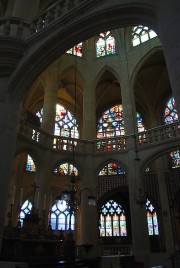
{"type": "Point", "coordinates": [111, 121]}
{"type": "Point", "coordinates": [30, 165]}
{"type": "Point", "coordinates": [170, 114]}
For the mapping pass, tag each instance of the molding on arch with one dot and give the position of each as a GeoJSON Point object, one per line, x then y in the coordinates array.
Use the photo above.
{"type": "Point", "coordinates": [48, 45]}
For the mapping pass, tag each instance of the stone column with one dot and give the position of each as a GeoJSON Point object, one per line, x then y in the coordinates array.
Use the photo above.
{"type": "Point", "coordinates": [88, 213]}
{"type": "Point", "coordinates": [25, 9]}
{"type": "Point", "coordinates": [140, 238]}
{"type": "Point", "coordinates": [9, 116]}
{"type": "Point", "coordinates": [50, 99]}
{"type": "Point", "coordinates": [165, 205]}
{"type": "Point", "coordinates": [128, 101]}
{"type": "Point", "coordinates": [89, 97]}
{"type": "Point", "coordinates": [44, 177]}
{"type": "Point", "coordinates": [168, 25]}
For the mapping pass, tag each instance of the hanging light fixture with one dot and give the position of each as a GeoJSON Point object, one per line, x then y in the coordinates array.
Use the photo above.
{"type": "Point", "coordinates": [70, 194]}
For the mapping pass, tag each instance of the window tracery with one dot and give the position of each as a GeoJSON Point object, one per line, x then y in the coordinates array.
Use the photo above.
{"type": "Point", "coordinates": [25, 209]}
{"type": "Point", "coordinates": [151, 219]}
{"type": "Point", "coordinates": [141, 34]}
{"type": "Point", "coordinates": [112, 220]}
{"type": "Point", "coordinates": [105, 45]}
{"type": "Point", "coordinates": [60, 216]}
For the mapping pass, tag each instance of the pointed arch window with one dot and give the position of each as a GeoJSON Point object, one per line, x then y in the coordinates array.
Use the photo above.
{"type": "Point", "coordinates": [140, 123]}
{"type": "Point", "coordinates": [60, 216]}
{"type": "Point", "coordinates": [30, 165]}
{"type": "Point", "coordinates": [171, 116]}
{"type": "Point", "coordinates": [66, 169]}
{"type": "Point", "coordinates": [76, 50]}
{"type": "Point", "coordinates": [151, 219]}
{"type": "Point", "coordinates": [141, 34]}
{"type": "Point", "coordinates": [105, 45]}
{"type": "Point", "coordinates": [112, 220]}
{"type": "Point", "coordinates": [111, 169]}
{"type": "Point", "coordinates": [65, 123]}
{"type": "Point", "coordinates": [25, 209]}
{"type": "Point", "coordinates": [111, 124]}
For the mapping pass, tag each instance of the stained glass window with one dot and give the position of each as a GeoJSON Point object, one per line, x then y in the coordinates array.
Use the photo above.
{"type": "Point", "coordinates": [65, 123]}
{"type": "Point", "coordinates": [76, 50]}
{"type": "Point", "coordinates": [30, 165]}
{"type": "Point", "coordinates": [152, 219]}
{"type": "Point", "coordinates": [141, 34]}
{"type": "Point", "coordinates": [140, 123]}
{"type": "Point", "coordinates": [171, 116]}
{"type": "Point", "coordinates": [66, 169]}
{"type": "Point", "coordinates": [60, 216]}
{"type": "Point", "coordinates": [111, 169]}
{"type": "Point", "coordinates": [112, 220]}
{"type": "Point", "coordinates": [25, 209]}
{"type": "Point", "coordinates": [175, 158]}
{"type": "Point", "coordinates": [39, 113]}
{"type": "Point", "coordinates": [111, 124]}
{"type": "Point", "coordinates": [105, 45]}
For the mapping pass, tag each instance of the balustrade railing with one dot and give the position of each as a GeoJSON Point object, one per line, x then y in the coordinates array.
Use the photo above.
{"type": "Point", "coordinates": [146, 138]}
{"type": "Point", "coordinates": [16, 27]}
{"type": "Point", "coordinates": [158, 134]}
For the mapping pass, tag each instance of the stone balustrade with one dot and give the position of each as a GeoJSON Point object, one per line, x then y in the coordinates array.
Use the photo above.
{"type": "Point", "coordinates": [143, 139]}
{"type": "Point", "coordinates": [158, 134]}
{"type": "Point", "coordinates": [19, 28]}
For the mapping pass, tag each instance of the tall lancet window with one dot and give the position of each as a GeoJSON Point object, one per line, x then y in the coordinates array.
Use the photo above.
{"type": "Point", "coordinates": [152, 219]}
{"type": "Point", "coordinates": [171, 116]}
{"type": "Point", "coordinates": [112, 220]}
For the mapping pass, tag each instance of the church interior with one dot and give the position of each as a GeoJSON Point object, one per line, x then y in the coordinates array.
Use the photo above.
{"type": "Point", "coordinates": [90, 160]}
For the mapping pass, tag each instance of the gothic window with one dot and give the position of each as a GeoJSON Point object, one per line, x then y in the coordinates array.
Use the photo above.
{"type": "Point", "coordinates": [76, 50]}
{"type": "Point", "coordinates": [171, 116]}
{"type": "Point", "coordinates": [111, 169]}
{"type": "Point", "coordinates": [65, 123]}
{"type": "Point", "coordinates": [40, 114]}
{"type": "Point", "coordinates": [30, 165]}
{"type": "Point", "coordinates": [60, 216]}
{"type": "Point", "coordinates": [141, 34]}
{"type": "Point", "coordinates": [105, 45]}
{"type": "Point", "coordinates": [112, 220]}
{"type": "Point", "coordinates": [175, 158]}
{"type": "Point", "coordinates": [111, 124]}
{"type": "Point", "coordinates": [66, 169]}
{"type": "Point", "coordinates": [140, 123]}
{"type": "Point", "coordinates": [25, 209]}
{"type": "Point", "coordinates": [152, 219]}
